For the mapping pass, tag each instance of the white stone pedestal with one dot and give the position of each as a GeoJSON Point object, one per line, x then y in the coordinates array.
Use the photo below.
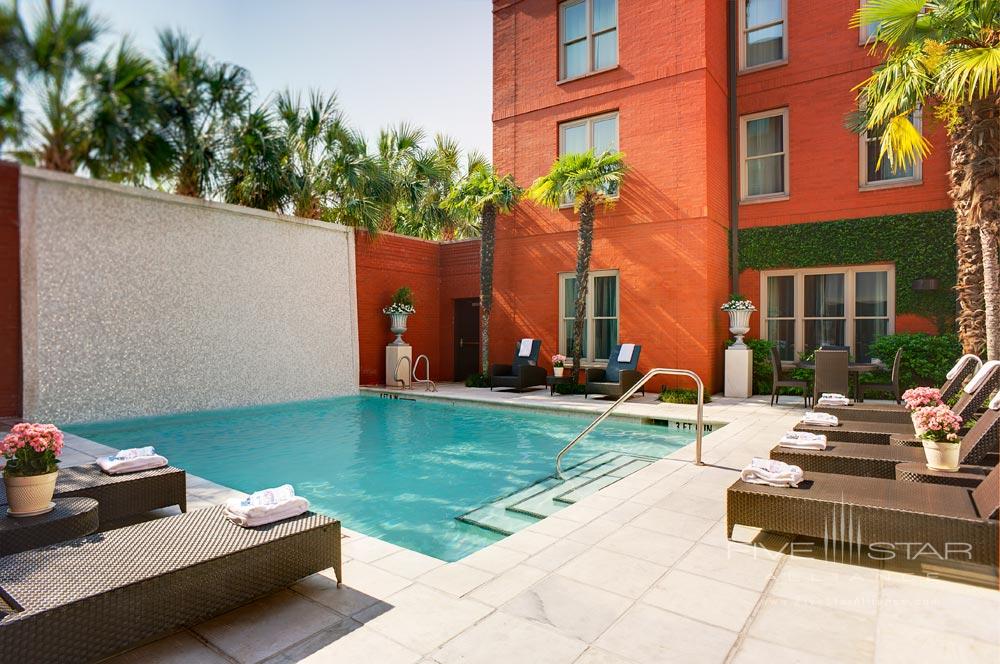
{"type": "Point", "coordinates": [392, 355]}
{"type": "Point", "coordinates": [739, 372]}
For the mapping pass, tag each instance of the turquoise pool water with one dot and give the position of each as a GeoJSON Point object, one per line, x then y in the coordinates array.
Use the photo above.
{"type": "Point", "coordinates": [396, 469]}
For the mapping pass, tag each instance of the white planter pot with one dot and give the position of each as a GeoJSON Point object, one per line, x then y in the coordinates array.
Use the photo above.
{"type": "Point", "coordinates": [397, 325]}
{"type": "Point", "coordinates": [739, 324]}
{"type": "Point", "coordinates": [29, 496]}
{"type": "Point", "coordinates": [941, 456]}
{"type": "Point", "coordinates": [557, 371]}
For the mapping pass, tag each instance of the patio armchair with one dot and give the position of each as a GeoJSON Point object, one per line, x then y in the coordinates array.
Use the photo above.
{"type": "Point", "coordinates": [893, 386]}
{"type": "Point", "coordinates": [617, 377]}
{"type": "Point", "coordinates": [779, 380]}
{"type": "Point", "coordinates": [832, 373]}
{"type": "Point", "coordinates": [523, 371]}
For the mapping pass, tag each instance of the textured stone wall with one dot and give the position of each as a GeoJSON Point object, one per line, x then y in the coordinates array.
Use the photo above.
{"type": "Point", "coordinates": [139, 303]}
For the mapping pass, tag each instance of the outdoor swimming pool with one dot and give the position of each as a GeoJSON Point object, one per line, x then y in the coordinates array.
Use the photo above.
{"type": "Point", "coordinates": [399, 470]}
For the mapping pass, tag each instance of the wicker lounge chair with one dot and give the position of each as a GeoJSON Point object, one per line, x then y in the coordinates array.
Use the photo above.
{"type": "Point", "coordinates": [617, 377]}
{"type": "Point", "coordinates": [778, 380]}
{"type": "Point", "coordinates": [884, 433]}
{"type": "Point", "coordinates": [966, 366]}
{"type": "Point", "coordinates": [89, 598]}
{"type": "Point", "coordinates": [523, 371]}
{"type": "Point", "coordinates": [867, 510]}
{"type": "Point", "coordinates": [120, 496]}
{"type": "Point", "coordinates": [881, 460]}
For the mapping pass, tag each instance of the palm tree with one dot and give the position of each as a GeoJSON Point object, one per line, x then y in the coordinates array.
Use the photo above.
{"type": "Point", "coordinates": [57, 49]}
{"type": "Point", "coordinates": [586, 180]}
{"type": "Point", "coordinates": [202, 103]}
{"type": "Point", "coordinates": [11, 57]}
{"type": "Point", "coordinates": [482, 195]}
{"type": "Point", "coordinates": [255, 175]}
{"type": "Point", "coordinates": [946, 53]}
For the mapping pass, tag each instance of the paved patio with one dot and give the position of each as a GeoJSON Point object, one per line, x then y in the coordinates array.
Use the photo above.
{"type": "Point", "coordinates": [639, 572]}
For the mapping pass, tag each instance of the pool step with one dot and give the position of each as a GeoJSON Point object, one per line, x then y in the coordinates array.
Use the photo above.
{"type": "Point", "coordinates": [547, 496]}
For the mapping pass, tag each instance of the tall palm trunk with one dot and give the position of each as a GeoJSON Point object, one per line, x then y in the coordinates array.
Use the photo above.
{"type": "Point", "coordinates": [488, 221]}
{"type": "Point", "coordinates": [984, 208]}
{"type": "Point", "coordinates": [584, 247]}
{"type": "Point", "coordinates": [969, 279]}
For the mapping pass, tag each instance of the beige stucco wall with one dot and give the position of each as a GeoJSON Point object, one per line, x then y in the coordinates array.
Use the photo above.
{"type": "Point", "coordinates": [138, 303]}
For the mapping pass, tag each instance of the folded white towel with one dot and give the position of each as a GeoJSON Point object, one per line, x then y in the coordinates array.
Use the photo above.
{"type": "Point", "coordinates": [525, 349]}
{"type": "Point", "coordinates": [286, 510]}
{"type": "Point", "coordinates": [772, 472]}
{"type": "Point", "coordinates": [832, 399]}
{"type": "Point", "coordinates": [820, 419]}
{"type": "Point", "coordinates": [625, 354]}
{"type": "Point", "coordinates": [116, 464]}
{"type": "Point", "coordinates": [984, 372]}
{"type": "Point", "coordinates": [261, 502]}
{"type": "Point", "coordinates": [803, 440]}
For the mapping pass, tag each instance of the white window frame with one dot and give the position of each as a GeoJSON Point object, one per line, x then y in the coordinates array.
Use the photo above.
{"type": "Point", "coordinates": [589, 122]}
{"type": "Point", "coordinates": [588, 37]}
{"type": "Point", "coordinates": [865, 33]}
{"type": "Point", "coordinates": [908, 181]}
{"type": "Point", "coordinates": [744, 30]}
{"type": "Point", "coordinates": [588, 353]}
{"type": "Point", "coordinates": [744, 184]}
{"type": "Point", "coordinates": [850, 305]}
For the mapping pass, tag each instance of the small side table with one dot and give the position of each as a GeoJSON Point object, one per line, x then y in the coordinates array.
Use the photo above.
{"type": "Point", "coordinates": [565, 379]}
{"type": "Point", "coordinates": [71, 518]}
{"type": "Point", "coordinates": [966, 476]}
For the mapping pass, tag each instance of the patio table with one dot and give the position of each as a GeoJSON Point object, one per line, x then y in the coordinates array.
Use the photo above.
{"type": "Point", "coordinates": [565, 379]}
{"type": "Point", "coordinates": [855, 369]}
{"type": "Point", "coordinates": [71, 518]}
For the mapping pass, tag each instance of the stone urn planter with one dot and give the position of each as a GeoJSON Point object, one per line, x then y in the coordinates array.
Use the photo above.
{"type": "Point", "coordinates": [398, 311]}
{"type": "Point", "coordinates": [30, 495]}
{"type": "Point", "coordinates": [397, 325]}
{"type": "Point", "coordinates": [739, 311]}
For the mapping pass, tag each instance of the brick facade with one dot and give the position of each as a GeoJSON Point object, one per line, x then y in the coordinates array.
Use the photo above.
{"type": "Point", "coordinates": [10, 292]}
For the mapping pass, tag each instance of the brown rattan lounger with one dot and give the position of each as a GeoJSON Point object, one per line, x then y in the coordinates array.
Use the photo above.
{"type": "Point", "coordinates": [120, 496]}
{"type": "Point", "coordinates": [92, 597]}
{"type": "Point", "coordinates": [902, 517]}
{"type": "Point", "coordinates": [881, 433]}
{"type": "Point", "coordinates": [880, 460]}
{"type": "Point", "coordinates": [866, 412]}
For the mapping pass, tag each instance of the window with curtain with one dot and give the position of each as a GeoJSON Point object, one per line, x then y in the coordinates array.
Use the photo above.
{"type": "Point", "coordinates": [803, 310]}
{"type": "Point", "coordinates": [763, 24]}
{"type": "Point", "coordinates": [765, 155]}
{"type": "Point", "coordinates": [588, 37]}
{"type": "Point", "coordinates": [601, 326]}
{"type": "Point", "coordinates": [599, 133]}
{"type": "Point", "coordinates": [875, 174]}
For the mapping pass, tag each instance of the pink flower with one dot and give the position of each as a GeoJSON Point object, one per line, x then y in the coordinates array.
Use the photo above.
{"type": "Point", "coordinates": [920, 397]}
{"type": "Point", "coordinates": [938, 423]}
{"type": "Point", "coordinates": [41, 439]}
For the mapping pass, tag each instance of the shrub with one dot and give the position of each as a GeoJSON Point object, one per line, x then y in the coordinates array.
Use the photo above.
{"type": "Point", "coordinates": [668, 395]}
{"type": "Point", "coordinates": [477, 380]}
{"type": "Point", "coordinates": [570, 388]}
{"type": "Point", "coordinates": [926, 358]}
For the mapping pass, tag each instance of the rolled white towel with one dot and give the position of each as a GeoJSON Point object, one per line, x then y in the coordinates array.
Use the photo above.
{"type": "Point", "coordinates": [129, 461]}
{"type": "Point", "coordinates": [286, 510]}
{"type": "Point", "coordinates": [261, 502]}
{"type": "Point", "coordinates": [803, 440]}
{"type": "Point", "coordinates": [984, 372]}
{"type": "Point", "coordinates": [771, 472]}
{"type": "Point", "coordinates": [525, 349]}
{"type": "Point", "coordinates": [820, 419]}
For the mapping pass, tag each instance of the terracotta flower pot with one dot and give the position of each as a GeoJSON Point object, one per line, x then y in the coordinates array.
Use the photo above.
{"type": "Point", "coordinates": [31, 495]}
{"type": "Point", "coordinates": [941, 455]}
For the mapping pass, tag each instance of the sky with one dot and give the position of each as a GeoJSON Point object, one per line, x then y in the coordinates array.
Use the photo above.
{"type": "Point", "coordinates": [428, 62]}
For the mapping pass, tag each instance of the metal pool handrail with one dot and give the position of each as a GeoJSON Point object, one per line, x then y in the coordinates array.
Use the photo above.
{"type": "Point", "coordinates": [628, 393]}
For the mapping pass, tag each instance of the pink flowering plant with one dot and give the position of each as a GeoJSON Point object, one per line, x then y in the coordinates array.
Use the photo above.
{"type": "Point", "coordinates": [558, 360]}
{"type": "Point", "coordinates": [921, 397]}
{"type": "Point", "coordinates": [31, 449]}
{"type": "Point", "coordinates": [937, 423]}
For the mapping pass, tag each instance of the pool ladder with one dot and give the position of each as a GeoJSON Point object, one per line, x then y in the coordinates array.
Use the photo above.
{"type": "Point", "coordinates": [652, 373]}
{"type": "Point", "coordinates": [430, 386]}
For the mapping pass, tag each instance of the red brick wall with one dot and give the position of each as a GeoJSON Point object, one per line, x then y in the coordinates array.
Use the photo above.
{"type": "Point", "coordinates": [437, 273]}
{"type": "Point", "coordinates": [10, 293]}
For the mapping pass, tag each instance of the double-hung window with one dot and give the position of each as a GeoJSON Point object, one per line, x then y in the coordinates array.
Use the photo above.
{"type": "Point", "coordinates": [764, 162]}
{"type": "Point", "coordinates": [764, 40]}
{"type": "Point", "coordinates": [598, 133]}
{"type": "Point", "coordinates": [873, 174]}
{"type": "Point", "coordinates": [841, 306]}
{"type": "Point", "coordinates": [588, 37]}
{"type": "Point", "coordinates": [600, 330]}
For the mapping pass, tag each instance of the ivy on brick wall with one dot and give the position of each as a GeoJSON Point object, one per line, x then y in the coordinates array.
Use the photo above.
{"type": "Point", "coordinates": [922, 246]}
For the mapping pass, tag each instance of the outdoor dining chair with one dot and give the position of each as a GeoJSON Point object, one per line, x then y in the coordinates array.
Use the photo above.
{"type": "Point", "coordinates": [832, 374]}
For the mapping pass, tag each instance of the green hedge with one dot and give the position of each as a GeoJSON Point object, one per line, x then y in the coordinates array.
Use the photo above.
{"type": "Point", "coordinates": [921, 245]}
{"type": "Point", "coordinates": [926, 358]}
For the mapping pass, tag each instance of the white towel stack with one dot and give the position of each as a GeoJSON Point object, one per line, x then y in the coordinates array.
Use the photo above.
{"type": "Point", "coordinates": [131, 460]}
{"type": "Point", "coordinates": [803, 440]}
{"type": "Point", "coordinates": [265, 506]}
{"type": "Point", "coordinates": [525, 349]}
{"type": "Point", "coordinates": [771, 472]}
{"type": "Point", "coordinates": [832, 399]}
{"type": "Point", "coordinates": [625, 354]}
{"type": "Point", "coordinates": [813, 418]}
